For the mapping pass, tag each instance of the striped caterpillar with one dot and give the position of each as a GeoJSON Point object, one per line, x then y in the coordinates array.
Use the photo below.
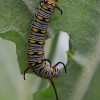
{"type": "Point", "coordinates": [35, 51]}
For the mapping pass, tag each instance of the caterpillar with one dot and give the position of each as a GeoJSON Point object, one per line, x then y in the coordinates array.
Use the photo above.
{"type": "Point", "coordinates": [36, 41]}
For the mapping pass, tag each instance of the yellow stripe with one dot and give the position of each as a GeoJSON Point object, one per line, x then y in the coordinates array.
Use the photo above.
{"type": "Point", "coordinates": [40, 18]}
{"type": "Point", "coordinates": [33, 64]}
{"type": "Point", "coordinates": [51, 10]}
{"type": "Point", "coordinates": [42, 42]}
{"type": "Point", "coordinates": [43, 75]}
{"type": "Point", "coordinates": [53, 4]}
{"type": "Point", "coordinates": [45, 7]}
{"type": "Point", "coordinates": [40, 53]}
{"type": "Point", "coordinates": [47, 69]}
{"type": "Point", "coordinates": [43, 66]}
{"type": "Point", "coordinates": [32, 41]}
{"type": "Point", "coordinates": [35, 30]}
{"type": "Point", "coordinates": [37, 71]}
{"type": "Point", "coordinates": [52, 70]}
{"type": "Point", "coordinates": [47, 20]}
{"type": "Point", "coordinates": [43, 31]}
{"type": "Point", "coordinates": [39, 61]}
{"type": "Point", "coordinates": [30, 53]}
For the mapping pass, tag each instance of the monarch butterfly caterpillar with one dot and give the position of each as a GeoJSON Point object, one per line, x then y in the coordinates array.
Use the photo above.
{"type": "Point", "coordinates": [35, 51]}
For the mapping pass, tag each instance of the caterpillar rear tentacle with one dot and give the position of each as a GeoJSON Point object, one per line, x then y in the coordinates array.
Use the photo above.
{"type": "Point", "coordinates": [27, 70]}
{"type": "Point", "coordinates": [48, 61]}
{"type": "Point", "coordinates": [62, 64]}
{"type": "Point", "coordinates": [54, 88]}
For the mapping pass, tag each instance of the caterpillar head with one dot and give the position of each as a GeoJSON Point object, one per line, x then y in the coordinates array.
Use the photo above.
{"type": "Point", "coordinates": [51, 2]}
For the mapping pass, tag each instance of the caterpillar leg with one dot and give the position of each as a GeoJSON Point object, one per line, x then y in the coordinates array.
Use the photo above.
{"type": "Point", "coordinates": [62, 64]}
{"type": "Point", "coordinates": [27, 70]}
{"type": "Point", "coordinates": [54, 88]}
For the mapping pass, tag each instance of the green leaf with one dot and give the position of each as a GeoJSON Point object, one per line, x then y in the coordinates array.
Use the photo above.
{"type": "Point", "coordinates": [81, 20]}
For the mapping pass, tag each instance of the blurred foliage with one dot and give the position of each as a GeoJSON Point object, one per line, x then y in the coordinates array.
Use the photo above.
{"type": "Point", "coordinates": [81, 20]}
